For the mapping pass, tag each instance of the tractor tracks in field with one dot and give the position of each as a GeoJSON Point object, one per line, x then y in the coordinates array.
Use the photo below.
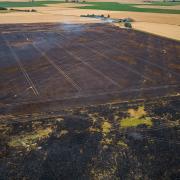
{"type": "Point", "coordinates": [21, 67]}
{"type": "Point", "coordinates": [108, 58]}
{"type": "Point", "coordinates": [57, 67]}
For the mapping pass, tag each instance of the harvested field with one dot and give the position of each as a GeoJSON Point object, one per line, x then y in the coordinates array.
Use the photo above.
{"type": "Point", "coordinates": [172, 31]}
{"type": "Point", "coordinates": [52, 66]}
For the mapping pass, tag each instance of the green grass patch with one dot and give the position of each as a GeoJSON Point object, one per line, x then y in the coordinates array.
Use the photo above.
{"type": "Point", "coordinates": [122, 144]}
{"type": "Point", "coordinates": [137, 117]}
{"type": "Point", "coordinates": [29, 140]}
{"type": "Point", "coordinates": [113, 6]}
{"type": "Point", "coordinates": [27, 4]}
{"type": "Point", "coordinates": [106, 127]}
{"type": "Point", "coordinates": [134, 122]}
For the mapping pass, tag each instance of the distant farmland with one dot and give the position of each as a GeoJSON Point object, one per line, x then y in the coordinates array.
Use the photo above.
{"type": "Point", "coordinates": [114, 6]}
{"type": "Point", "coordinates": [9, 4]}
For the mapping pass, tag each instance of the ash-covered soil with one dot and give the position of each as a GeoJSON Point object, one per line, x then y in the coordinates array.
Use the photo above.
{"type": "Point", "coordinates": [53, 78]}
{"type": "Point", "coordinates": [134, 140]}
{"type": "Point", "coordinates": [50, 65]}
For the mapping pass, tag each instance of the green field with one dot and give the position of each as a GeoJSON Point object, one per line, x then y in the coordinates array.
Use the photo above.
{"type": "Point", "coordinates": [113, 6]}
{"type": "Point", "coordinates": [27, 4]}
{"type": "Point", "coordinates": [165, 3]}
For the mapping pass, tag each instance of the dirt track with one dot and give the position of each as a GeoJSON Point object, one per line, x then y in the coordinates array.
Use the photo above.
{"type": "Point", "coordinates": [63, 64]}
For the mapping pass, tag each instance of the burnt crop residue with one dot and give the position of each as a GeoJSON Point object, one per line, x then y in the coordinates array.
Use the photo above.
{"type": "Point", "coordinates": [118, 141]}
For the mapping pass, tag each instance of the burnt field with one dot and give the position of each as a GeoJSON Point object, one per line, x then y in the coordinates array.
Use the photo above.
{"type": "Point", "coordinates": [60, 65]}
{"type": "Point", "coordinates": [88, 102]}
{"type": "Point", "coordinates": [137, 140]}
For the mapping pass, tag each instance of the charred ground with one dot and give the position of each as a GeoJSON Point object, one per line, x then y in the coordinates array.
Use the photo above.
{"type": "Point", "coordinates": [53, 78]}
{"type": "Point", "coordinates": [94, 142]}
{"type": "Point", "coordinates": [70, 65]}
